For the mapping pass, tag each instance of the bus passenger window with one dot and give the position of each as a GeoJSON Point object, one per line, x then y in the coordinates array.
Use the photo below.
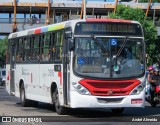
{"type": "Point", "coordinates": [19, 58]}
{"type": "Point", "coordinates": [58, 39]}
{"type": "Point", "coordinates": [27, 44]}
{"type": "Point", "coordinates": [45, 54]}
{"type": "Point", "coordinates": [53, 53]}
{"type": "Point", "coordinates": [36, 49]}
{"type": "Point", "coordinates": [45, 47]}
{"type": "Point", "coordinates": [20, 50]}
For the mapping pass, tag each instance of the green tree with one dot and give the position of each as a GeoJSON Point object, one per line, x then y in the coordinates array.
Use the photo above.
{"type": "Point", "coordinates": [3, 48]}
{"type": "Point", "coordinates": [146, 1]}
{"type": "Point", "coordinates": [150, 31]}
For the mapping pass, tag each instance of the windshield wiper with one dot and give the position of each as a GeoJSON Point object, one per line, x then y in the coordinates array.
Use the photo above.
{"type": "Point", "coordinates": [122, 47]}
{"type": "Point", "coordinates": [115, 66]}
{"type": "Point", "coordinates": [104, 51]}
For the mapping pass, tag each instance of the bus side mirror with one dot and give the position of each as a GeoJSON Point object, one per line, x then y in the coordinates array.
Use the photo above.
{"type": "Point", "coordinates": [71, 44]}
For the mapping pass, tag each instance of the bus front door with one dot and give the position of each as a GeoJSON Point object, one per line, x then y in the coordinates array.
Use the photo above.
{"type": "Point", "coordinates": [12, 68]}
{"type": "Point", "coordinates": [66, 74]}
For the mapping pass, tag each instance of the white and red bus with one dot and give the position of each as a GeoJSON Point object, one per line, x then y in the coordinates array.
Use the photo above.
{"type": "Point", "coordinates": [91, 63]}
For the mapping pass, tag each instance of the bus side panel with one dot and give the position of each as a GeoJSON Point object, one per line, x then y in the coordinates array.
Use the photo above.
{"type": "Point", "coordinates": [29, 74]}
{"type": "Point", "coordinates": [8, 79]}
{"type": "Point", "coordinates": [37, 79]}
{"type": "Point", "coordinates": [47, 77]}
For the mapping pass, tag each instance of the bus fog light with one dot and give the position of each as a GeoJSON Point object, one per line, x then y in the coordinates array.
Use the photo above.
{"type": "Point", "coordinates": [83, 91]}
{"type": "Point", "coordinates": [74, 83]}
{"type": "Point", "coordinates": [137, 90]}
{"type": "Point", "coordinates": [80, 89]}
{"type": "Point", "coordinates": [78, 86]}
{"type": "Point", "coordinates": [140, 88]}
{"type": "Point", "coordinates": [134, 92]}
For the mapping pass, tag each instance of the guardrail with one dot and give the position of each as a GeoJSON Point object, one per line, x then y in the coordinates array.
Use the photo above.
{"type": "Point", "coordinates": [41, 21]}
{"type": "Point", "coordinates": [23, 20]}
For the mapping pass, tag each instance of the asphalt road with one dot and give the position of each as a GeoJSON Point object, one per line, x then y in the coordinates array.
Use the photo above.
{"type": "Point", "coordinates": [10, 106]}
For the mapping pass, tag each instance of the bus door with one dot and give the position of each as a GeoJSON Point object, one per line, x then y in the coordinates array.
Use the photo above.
{"type": "Point", "coordinates": [65, 72]}
{"type": "Point", "coordinates": [66, 67]}
{"type": "Point", "coordinates": [12, 67]}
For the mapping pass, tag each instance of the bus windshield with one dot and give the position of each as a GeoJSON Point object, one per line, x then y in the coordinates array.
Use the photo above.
{"type": "Point", "coordinates": [103, 57]}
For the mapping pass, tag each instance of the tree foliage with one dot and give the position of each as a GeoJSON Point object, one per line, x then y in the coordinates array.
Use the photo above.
{"type": "Point", "coordinates": [146, 1]}
{"type": "Point", "coordinates": [3, 48]}
{"type": "Point", "coordinates": [150, 31]}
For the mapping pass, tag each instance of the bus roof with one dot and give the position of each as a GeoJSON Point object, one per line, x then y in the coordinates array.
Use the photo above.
{"type": "Point", "coordinates": [62, 25]}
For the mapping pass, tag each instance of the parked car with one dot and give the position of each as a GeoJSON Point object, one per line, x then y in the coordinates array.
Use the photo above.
{"type": "Point", "coordinates": [2, 76]}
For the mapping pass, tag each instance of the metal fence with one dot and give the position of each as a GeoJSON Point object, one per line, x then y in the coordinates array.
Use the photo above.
{"type": "Point", "coordinates": [23, 20]}
{"type": "Point", "coordinates": [42, 20]}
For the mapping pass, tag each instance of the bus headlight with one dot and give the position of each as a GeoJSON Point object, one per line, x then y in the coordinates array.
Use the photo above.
{"type": "Point", "coordinates": [80, 89]}
{"type": "Point", "coordinates": [137, 90]}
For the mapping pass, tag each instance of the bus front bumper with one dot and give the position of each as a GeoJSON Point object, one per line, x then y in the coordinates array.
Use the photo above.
{"type": "Point", "coordinates": [89, 101]}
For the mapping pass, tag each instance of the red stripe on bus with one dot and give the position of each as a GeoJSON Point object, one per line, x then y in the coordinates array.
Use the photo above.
{"type": "Point", "coordinates": [8, 77]}
{"type": "Point", "coordinates": [37, 31]}
{"type": "Point", "coordinates": [108, 88]}
{"type": "Point", "coordinates": [108, 20]}
{"type": "Point", "coordinates": [60, 75]}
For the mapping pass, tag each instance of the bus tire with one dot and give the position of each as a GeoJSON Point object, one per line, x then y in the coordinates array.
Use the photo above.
{"type": "Point", "coordinates": [61, 110]}
{"type": "Point", "coordinates": [117, 110]}
{"type": "Point", "coordinates": [25, 102]}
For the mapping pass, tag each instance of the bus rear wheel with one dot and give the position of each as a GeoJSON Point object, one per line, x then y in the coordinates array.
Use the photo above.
{"type": "Point", "coordinates": [117, 110]}
{"type": "Point", "coordinates": [25, 102]}
{"type": "Point", "coordinates": [59, 109]}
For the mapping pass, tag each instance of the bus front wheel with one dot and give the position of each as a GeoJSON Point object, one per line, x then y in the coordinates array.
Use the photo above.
{"type": "Point", "coordinates": [59, 109]}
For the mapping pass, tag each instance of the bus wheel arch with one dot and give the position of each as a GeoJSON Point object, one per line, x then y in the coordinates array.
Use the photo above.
{"type": "Point", "coordinates": [55, 100]}
{"type": "Point", "coordinates": [20, 84]}
{"type": "Point", "coordinates": [24, 101]}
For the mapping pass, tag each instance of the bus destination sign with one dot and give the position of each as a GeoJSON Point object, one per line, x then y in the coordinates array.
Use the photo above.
{"type": "Point", "coordinates": [110, 28]}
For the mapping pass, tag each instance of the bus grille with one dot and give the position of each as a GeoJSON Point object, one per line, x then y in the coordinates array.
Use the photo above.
{"type": "Point", "coordinates": [109, 88]}
{"type": "Point", "coordinates": [109, 100]}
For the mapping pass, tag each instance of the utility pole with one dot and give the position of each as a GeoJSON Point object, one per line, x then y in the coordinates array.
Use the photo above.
{"type": "Point", "coordinates": [30, 15]}
{"type": "Point", "coordinates": [14, 27]}
{"type": "Point", "coordinates": [115, 7]}
{"type": "Point", "coordinates": [149, 4]}
{"type": "Point", "coordinates": [83, 10]}
{"type": "Point", "coordinates": [82, 7]}
{"type": "Point", "coordinates": [48, 13]}
{"type": "Point", "coordinates": [84, 13]}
